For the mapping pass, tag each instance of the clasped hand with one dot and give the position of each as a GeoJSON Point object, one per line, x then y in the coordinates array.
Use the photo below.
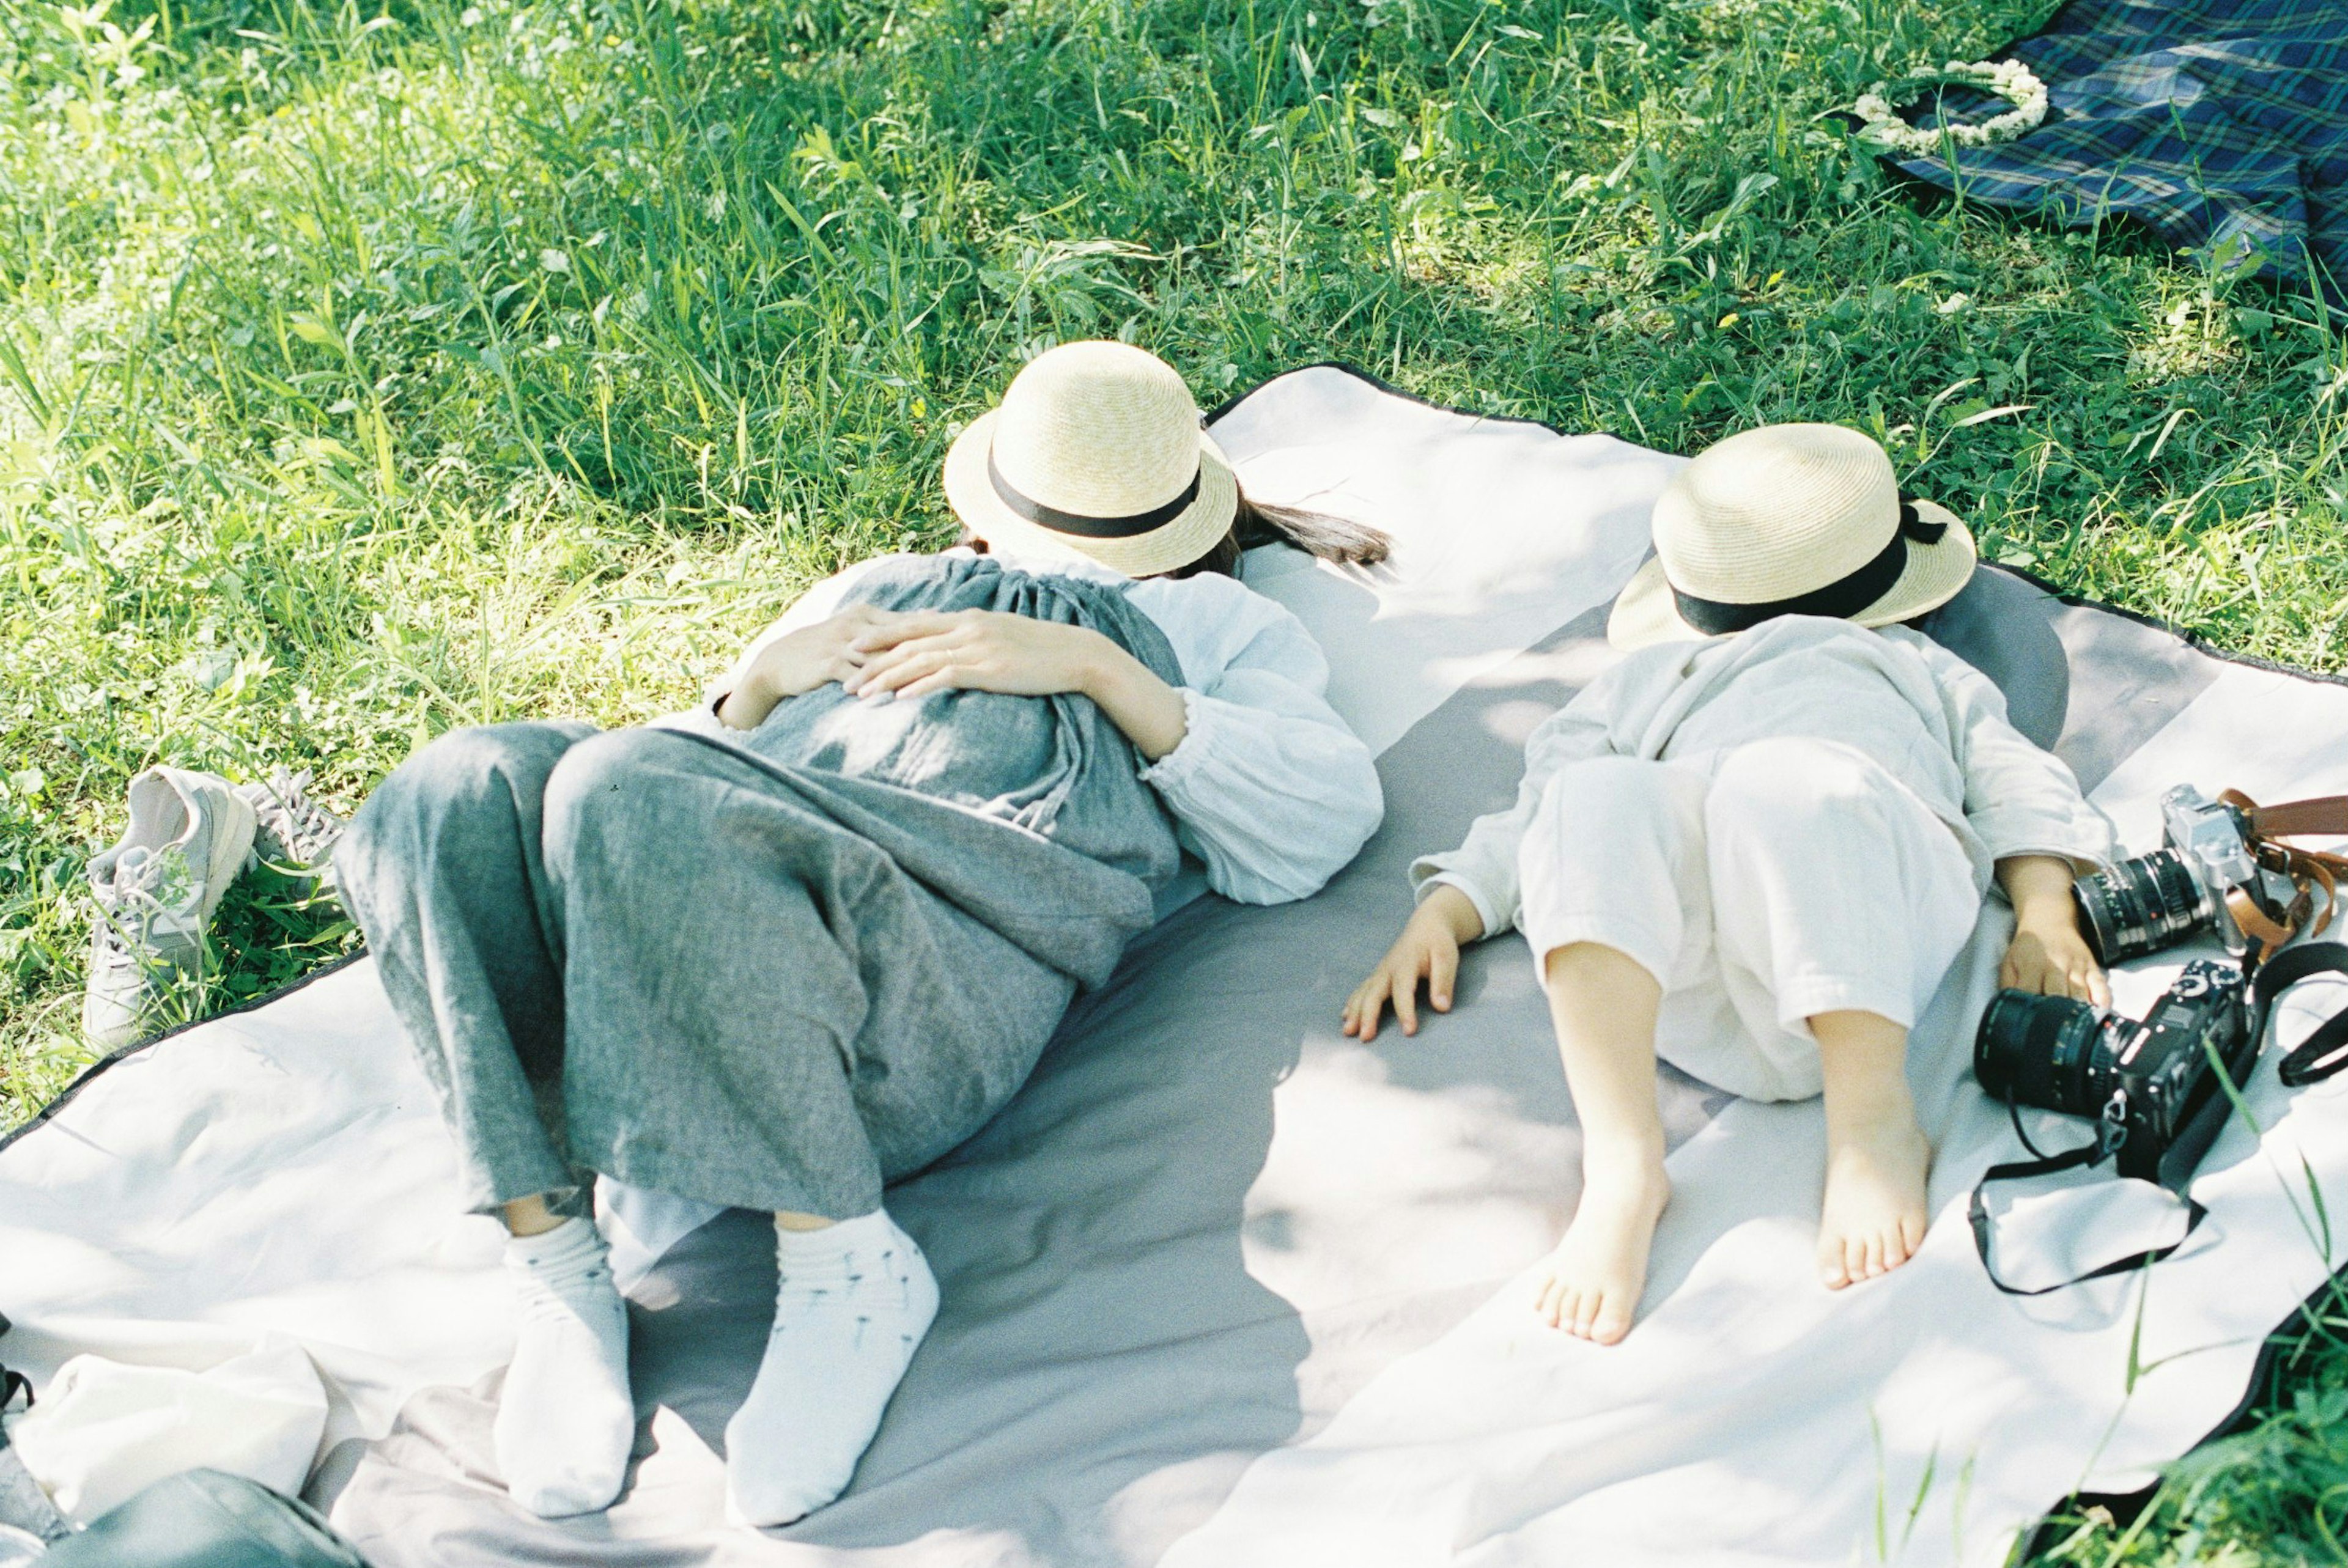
{"type": "Point", "coordinates": [922, 651]}
{"type": "Point", "coordinates": [910, 654]}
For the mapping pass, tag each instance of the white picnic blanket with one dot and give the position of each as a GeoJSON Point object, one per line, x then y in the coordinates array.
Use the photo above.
{"type": "Point", "coordinates": [1224, 1288]}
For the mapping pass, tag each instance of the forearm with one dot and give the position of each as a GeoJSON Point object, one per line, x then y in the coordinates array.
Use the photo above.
{"type": "Point", "coordinates": [1483, 869]}
{"type": "Point", "coordinates": [2039, 886]}
{"type": "Point", "coordinates": [1150, 711]}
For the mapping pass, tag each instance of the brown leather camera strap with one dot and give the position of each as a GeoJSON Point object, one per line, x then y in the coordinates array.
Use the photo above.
{"type": "Point", "coordinates": [2324, 813]}
{"type": "Point", "coordinates": [2309, 870]}
{"type": "Point", "coordinates": [2261, 927]}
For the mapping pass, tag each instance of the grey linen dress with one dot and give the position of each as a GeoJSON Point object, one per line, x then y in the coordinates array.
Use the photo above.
{"type": "Point", "coordinates": [772, 968]}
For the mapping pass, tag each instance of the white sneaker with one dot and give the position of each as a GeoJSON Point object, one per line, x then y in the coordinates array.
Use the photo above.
{"type": "Point", "coordinates": [156, 892]}
{"type": "Point", "coordinates": [292, 833]}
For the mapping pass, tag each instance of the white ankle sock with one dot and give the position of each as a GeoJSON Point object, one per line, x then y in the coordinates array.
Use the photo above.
{"type": "Point", "coordinates": [855, 1300]}
{"type": "Point", "coordinates": [566, 1421]}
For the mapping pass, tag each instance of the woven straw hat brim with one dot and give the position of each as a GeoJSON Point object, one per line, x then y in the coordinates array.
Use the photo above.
{"type": "Point", "coordinates": [1646, 613]}
{"type": "Point", "coordinates": [1165, 547]}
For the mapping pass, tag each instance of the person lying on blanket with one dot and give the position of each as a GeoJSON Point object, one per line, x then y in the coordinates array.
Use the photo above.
{"type": "Point", "coordinates": [778, 952]}
{"type": "Point", "coordinates": [1754, 846]}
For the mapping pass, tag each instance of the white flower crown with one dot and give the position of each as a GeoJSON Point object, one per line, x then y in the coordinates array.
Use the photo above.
{"type": "Point", "coordinates": [2009, 79]}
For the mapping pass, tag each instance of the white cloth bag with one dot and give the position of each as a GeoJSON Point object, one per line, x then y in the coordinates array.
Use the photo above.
{"type": "Point", "coordinates": [103, 1429]}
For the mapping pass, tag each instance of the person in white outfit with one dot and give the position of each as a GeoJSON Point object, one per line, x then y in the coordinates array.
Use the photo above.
{"type": "Point", "coordinates": [1753, 847]}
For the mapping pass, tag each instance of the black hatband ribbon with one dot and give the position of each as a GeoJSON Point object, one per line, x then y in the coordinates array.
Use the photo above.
{"type": "Point", "coordinates": [1844, 596]}
{"type": "Point", "coordinates": [1083, 524]}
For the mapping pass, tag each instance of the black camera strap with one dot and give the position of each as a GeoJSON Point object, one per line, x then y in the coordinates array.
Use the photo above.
{"type": "Point", "coordinates": [2324, 1051]}
{"type": "Point", "coordinates": [2321, 1054]}
{"type": "Point", "coordinates": [23, 1505]}
{"type": "Point", "coordinates": [12, 1383]}
{"type": "Point", "coordinates": [2110, 1133]}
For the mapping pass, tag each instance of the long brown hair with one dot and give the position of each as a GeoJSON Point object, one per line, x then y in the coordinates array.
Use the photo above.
{"type": "Point", "coordinates": [1317, 534]}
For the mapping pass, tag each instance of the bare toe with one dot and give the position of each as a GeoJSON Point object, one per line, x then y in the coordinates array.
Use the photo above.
{"type": "Point", "coordinates": [1601, 1267]}
{"type": "Point", "coordinates": [1874, 1217]}
{"type": "Point", "coordinates": [1612, 1322]}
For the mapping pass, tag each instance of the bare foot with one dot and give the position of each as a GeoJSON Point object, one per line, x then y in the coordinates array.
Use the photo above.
{"type": "Point", "coordinates": [1875, 1215]}
{"type": "Point", "coordinates": [1592, 1282]}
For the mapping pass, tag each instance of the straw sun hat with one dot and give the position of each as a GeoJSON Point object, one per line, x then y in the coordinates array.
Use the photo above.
{"type": "Point", "coordinates": [1097, 451]}
{"type": "Point", "coordinates": [1789, 519]}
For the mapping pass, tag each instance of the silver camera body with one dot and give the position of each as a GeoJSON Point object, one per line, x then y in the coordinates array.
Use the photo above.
{"type": "Point", "coordinates": [2209, 837]}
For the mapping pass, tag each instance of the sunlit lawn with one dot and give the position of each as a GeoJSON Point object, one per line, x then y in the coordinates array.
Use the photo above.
{"type": "Point", "coordinates": [366, 372]}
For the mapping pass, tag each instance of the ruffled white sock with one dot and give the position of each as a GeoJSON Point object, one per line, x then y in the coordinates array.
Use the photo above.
{"type": "Point", "coordinates": [855, 1301]}
{"type": "Point", "coordinates": [566, 1420]}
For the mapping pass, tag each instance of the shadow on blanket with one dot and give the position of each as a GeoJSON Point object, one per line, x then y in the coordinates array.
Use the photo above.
{"type": "Point", "coordinates": [1135, 1270]}
{"type": "Point", "coordinates": [1133, 1274]}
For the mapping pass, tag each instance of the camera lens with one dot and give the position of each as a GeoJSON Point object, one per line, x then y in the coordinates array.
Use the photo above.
{"type": "Point", "coordinates": [2053, 1053]}
{"type": "Point", "coordinates": [2141, 905]}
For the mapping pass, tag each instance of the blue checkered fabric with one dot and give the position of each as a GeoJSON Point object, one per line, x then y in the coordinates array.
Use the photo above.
{"type": "Point", "coordinates": [2222, 124]}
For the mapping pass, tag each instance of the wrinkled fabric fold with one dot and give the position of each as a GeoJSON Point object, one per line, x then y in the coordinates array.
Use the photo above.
{"type": "Point", "coordinates": [773, 971]}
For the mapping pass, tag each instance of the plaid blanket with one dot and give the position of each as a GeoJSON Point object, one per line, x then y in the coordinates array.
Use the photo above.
{"type": "Point", "coordinates": [2220, 124]}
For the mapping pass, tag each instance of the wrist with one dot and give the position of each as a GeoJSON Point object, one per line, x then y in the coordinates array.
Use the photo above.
{"type": "Point", "coordinates": [1102, 667]}
{"type": "Point", "coordinates": [1452, 910]}
{"type": "Point", "coordinates": [2048, 923]}
{"type": "Point", "coordinates": [2038, 885]}
{"type": "Point", "coordinates": [1151, 713]}
{"type": "Point", "coordinates": [749, 703]}
{"type": "Point", "coordinates": [2046, 887]}
{"type": "Point", "coordinates": [2046, 911]}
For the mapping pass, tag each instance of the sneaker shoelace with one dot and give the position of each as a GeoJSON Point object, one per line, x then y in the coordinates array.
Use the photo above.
{"type": "Point", "coordinates": [128, 900]}
{"type": "Point", "coordinates": [290, 828]}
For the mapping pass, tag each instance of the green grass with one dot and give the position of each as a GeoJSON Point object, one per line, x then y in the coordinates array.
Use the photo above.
{"type": "Point", "coordinates": [371, 370]}
{"type": "Point", "coordinates": [2273, 1493]}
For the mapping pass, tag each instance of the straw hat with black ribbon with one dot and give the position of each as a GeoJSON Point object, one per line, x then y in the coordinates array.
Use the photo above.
{"type": "Point", "coordinates": [1097, 451]}
{"type": "Point", "coordinates": [1790, 519]}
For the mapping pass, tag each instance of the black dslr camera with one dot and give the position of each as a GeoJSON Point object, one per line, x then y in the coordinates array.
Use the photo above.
{"type": "Point", "coordinates": [2152, 1084]}
{"type": "Point", "coordinates": [2154, 901]}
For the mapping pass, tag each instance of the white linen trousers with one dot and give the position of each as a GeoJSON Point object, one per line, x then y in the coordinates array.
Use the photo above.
{"type": "Point", "coordinates": [1760, 885]}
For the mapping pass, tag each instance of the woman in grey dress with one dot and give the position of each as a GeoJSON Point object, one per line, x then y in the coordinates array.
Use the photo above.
{"type": "Point", "coordinates": [784, 949]}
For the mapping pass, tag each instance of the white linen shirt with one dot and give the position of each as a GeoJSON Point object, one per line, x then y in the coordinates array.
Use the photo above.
{"type": "Point", "coordinates": [1932, 719]}
{"type": "Point", "coordinates": [1269, 787]}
